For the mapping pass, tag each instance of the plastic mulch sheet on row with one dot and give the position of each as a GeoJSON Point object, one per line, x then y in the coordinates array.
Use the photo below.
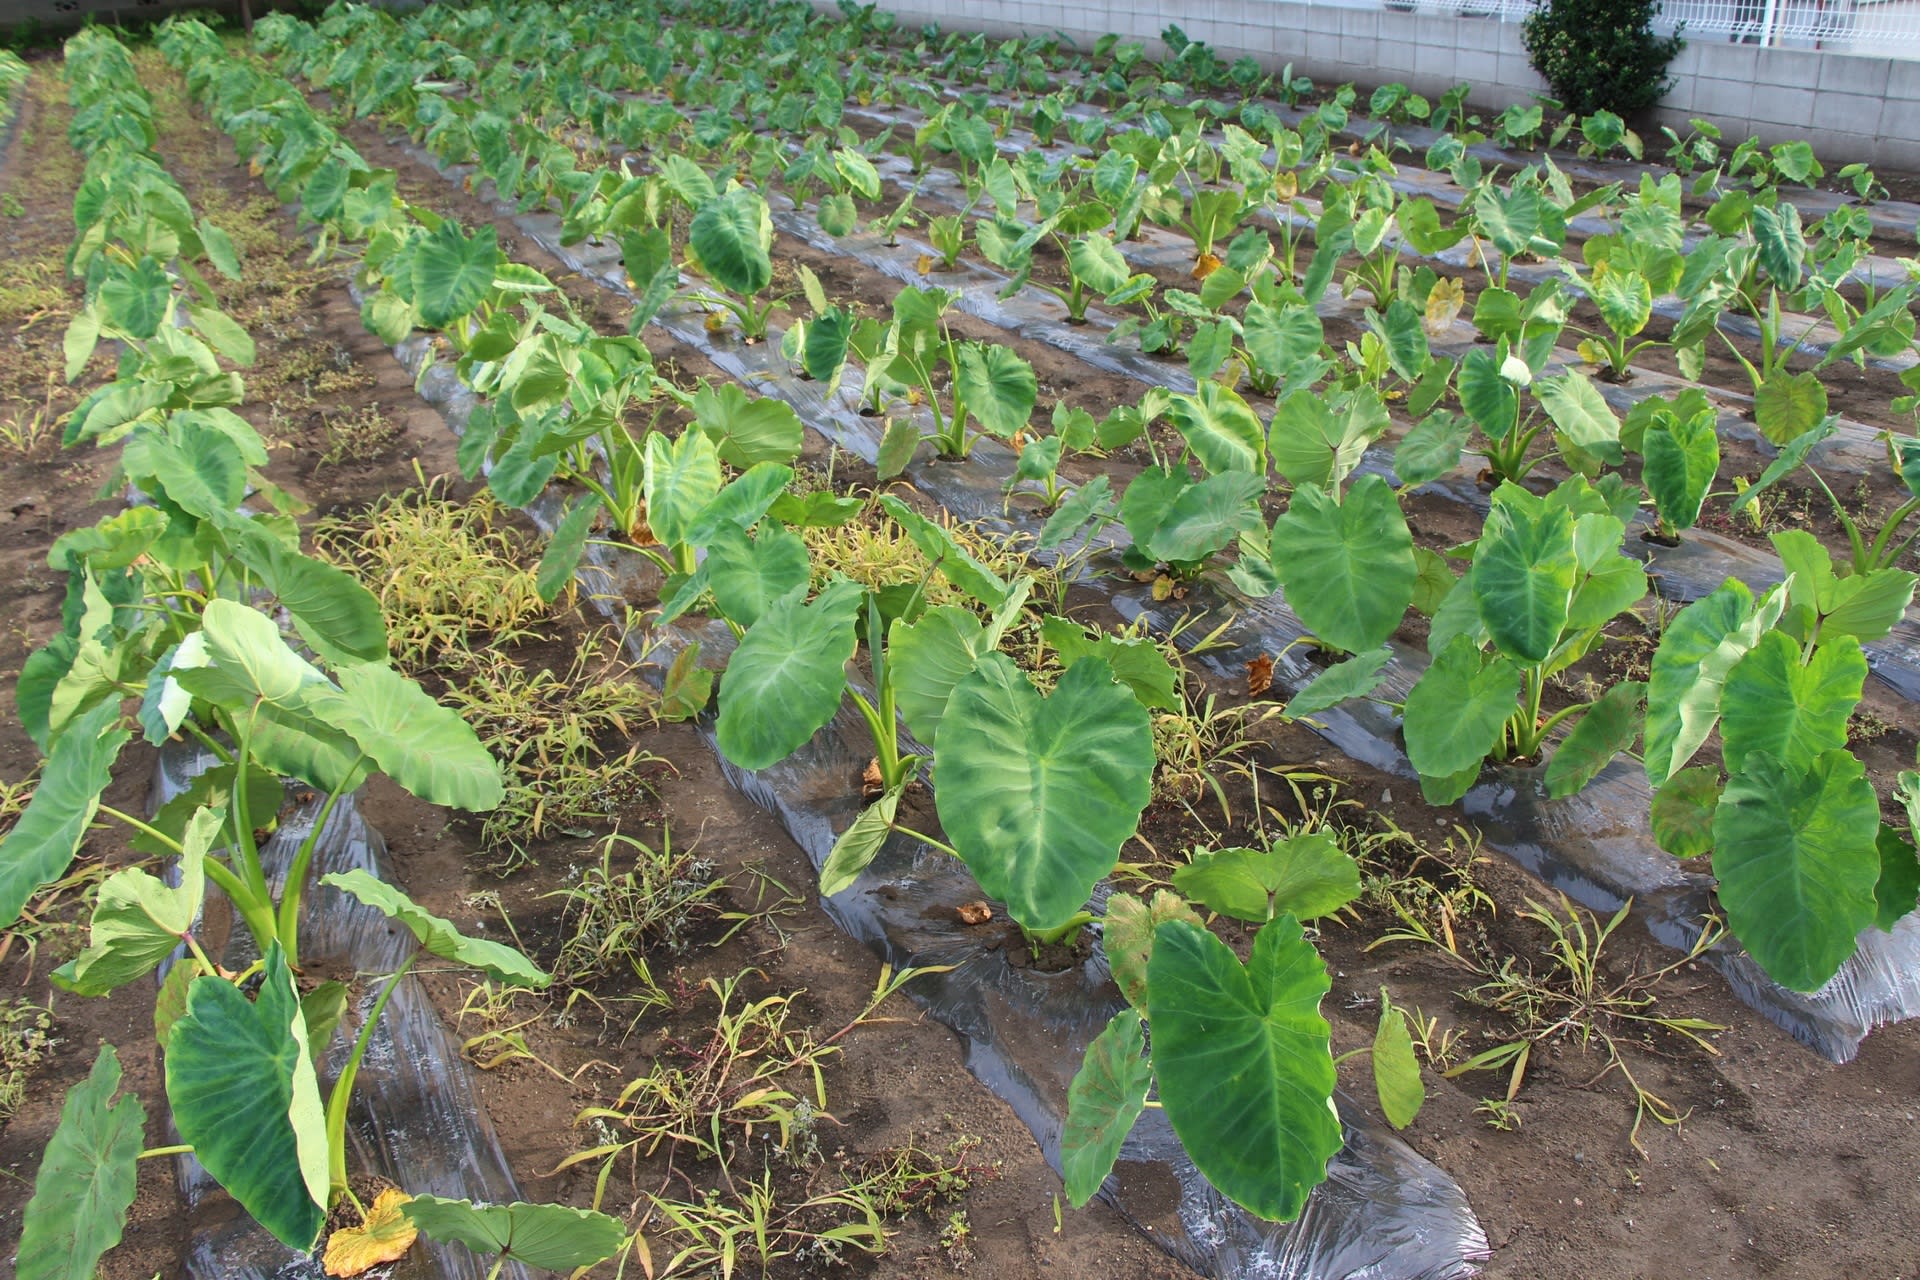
{"type": "Point", "coordinates": [1596, 847]}
{"type": "Point", "coordinates": [416, 1119]}
{"type": "Point", "coordinates": [1385, 1211]}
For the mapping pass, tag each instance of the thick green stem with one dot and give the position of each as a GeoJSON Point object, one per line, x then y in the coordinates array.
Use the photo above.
{"type": "Point", "coordinates": [343, 1087]}
{"type": "Point", "coordinates": [294, 889]}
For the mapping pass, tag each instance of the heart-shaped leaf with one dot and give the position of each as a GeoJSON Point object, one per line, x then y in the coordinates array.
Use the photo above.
{"type": "Point", "coordinates": [240, 1079]}
{"type": "Point", "coordinates": [1524, 571]}
{"type": "Point", "coordinates": [1796, 855]}
{"type": "Point", "coordinates": [1038, 793]}
{"type": "Point", "coordinates": [786, 678]}
{"type": "Point", "coordinates": [1455, 711]}
{"type": "Point", "coordinates": [452, 272]}
{"type": "Point", "coordinates": [997, 387]}
{"type": "Point", "coordinates": [1347, 564]}
{"type": "Point", "coordinates": [1221, 430]}
{"type": "Point", "coordinates": [1106, 1097]}
{"type": "Point", "coordinates": [1305, 876]}
{"type": "Point", "coordinates": [731, 236]}
{"type": "Point", "coordinates": [1793, 711]}
{"type": "Point", "coordinates": [1241, 1056]}
{"type": "Point", "coordinates": [552, 1237]}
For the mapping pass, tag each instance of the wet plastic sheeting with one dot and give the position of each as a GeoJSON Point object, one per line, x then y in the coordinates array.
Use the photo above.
{"type": "Point", "coordinates": [1383, 1207]}
{"type": "Point", "coordinates": [1596, 846]}
{"type": "Point", "coordinates": [416, 1117]}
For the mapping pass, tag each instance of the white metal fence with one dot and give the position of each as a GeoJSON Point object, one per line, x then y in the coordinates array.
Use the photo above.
{"type": "Point", "coordinates": [1880, 28]}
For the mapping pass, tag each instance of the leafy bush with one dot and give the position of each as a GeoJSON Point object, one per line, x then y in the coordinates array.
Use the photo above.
{"type": "Point", "coordinates": [1601, 54]}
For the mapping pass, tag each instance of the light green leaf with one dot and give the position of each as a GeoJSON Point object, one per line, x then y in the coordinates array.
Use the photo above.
{"type": "Point", "coordinates": [1455, 711]}
{"type": "Point", "coordinates": [48, 833]}
{"type": "Point", "coordinates": [139, 919]}
{"type": "Point", "coordinates": [438, 936]}
{"type": "Point", "coordinates": [1221, 430]}
{"type": "Point", "coordinates": [1524, 572]}
{"type": "Point", "coordinates": [551, 1237]}
{"type": "Point", "coordinates": [1304, 876]}
{"type": "Point", "coordinates": [786, 678]}
{"type": "Point", "coordinates": [1347, 565]}
{"type": "Point", "coordinates": [1038, 793]}
{"type": "Point", "coordinates": [1396, 1072]}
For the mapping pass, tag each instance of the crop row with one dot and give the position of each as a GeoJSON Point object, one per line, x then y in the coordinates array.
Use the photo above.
{"type": "Point", "coordinates": [161, 606]}
{"type": "Point", "coordinates": [1546, 576]}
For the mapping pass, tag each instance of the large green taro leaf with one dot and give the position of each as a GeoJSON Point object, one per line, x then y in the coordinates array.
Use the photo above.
{"type": "Point", "coordinates": [241, 1083]}
{"type": "Point", "coordinates": [1242, 1059]}
{"type": "Point", "coordinates": [438, 936]}
{"type": "Point", "coordinates": [731, 236]}
{"type": "Point", "coordinates": [423, 746]}
{"type": "Point", "coordinates": [1795, 852]}
{"type": "Point", "coordinates": [1607, 728]}
{"type": "Point", "coordinates": [552, 1237]}
{"type": "Point", "coordinates": [786, 678]}
{"type": "Point", "coordinates": [452, 273]}
{"type": "Point", "coordinates": [1220, 429]}
{"type": "Point", "coordinates": [338, 616]}
{"type": "Point", "coordinates": [1700, 647]}
{"type": "Point", "coordinates": [1038, 793]}
{"type": "Point", "coordinates": [1305, 876]}
{"type": "Point", "coordinates": [1792, 711]}
{"type": "Point", "coordinates": [1682, 458]}
{"type": "Point", "coordinates": [747, 574]}
{"type": "Point", "coordinates": [1204, 517]}
{"type": "Point", "coordinates": [86, 1181]}
{"type": "Point", "coordinates": [139, 919]}
{"type": "Point", "coordinates": [1106, 1097]}
{"type": "Point", "coordinates": [927, 658]}
{"type": "Point", "coordinates": [683, 476]}
{"type": "Point", "coordinates": [1454, 712]}
{"type": "Point", "coordinates": [1580, 414]}
{"type": "Point", "coordinates": [42, 843]}
{"type": "Point", "coordinates": [1347, 564]}
{"type": "Point", "coordinates": [1523, 576]}
{"type": "Point", "coordinates": [997, 388]}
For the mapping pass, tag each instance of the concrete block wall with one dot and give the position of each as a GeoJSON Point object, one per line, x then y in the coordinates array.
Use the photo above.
{"type": "Point", "coordinates": [1850, 107]}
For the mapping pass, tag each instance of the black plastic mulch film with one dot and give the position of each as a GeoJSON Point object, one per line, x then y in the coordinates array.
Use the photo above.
{"type": "Point", "coordinates": [416, 1119]}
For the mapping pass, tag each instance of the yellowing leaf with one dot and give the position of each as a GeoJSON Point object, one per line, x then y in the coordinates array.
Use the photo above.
{"type": "Point", "coordinates": [384, 1237]}
{"type": "Point", "coordinates": [1205, 265]}
{"type": "Point", "coordinates": [1443, 304]}
{"type": "Point", "coordinates": [1286, 184]}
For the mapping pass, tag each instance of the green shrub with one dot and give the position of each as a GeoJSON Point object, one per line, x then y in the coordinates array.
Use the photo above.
{"type": "Point", "coordinates": [1601, 55]}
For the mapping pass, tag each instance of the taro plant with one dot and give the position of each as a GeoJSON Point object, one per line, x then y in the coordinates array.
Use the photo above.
{"type": "Point", "coordinates": [1804, 860]}
{"type": "Point", "coordinates": [989, 385]}
{"type": "Point", "coordinates": [1547, 576]}
{"type": "Point", "coordinates": [729, 242]}
{"type": "Point", "coordinates": [1263, 1130]}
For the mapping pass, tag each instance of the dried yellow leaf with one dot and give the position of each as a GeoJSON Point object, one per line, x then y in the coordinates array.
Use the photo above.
{"type": "Point", "coordinates": [383, 1237]}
